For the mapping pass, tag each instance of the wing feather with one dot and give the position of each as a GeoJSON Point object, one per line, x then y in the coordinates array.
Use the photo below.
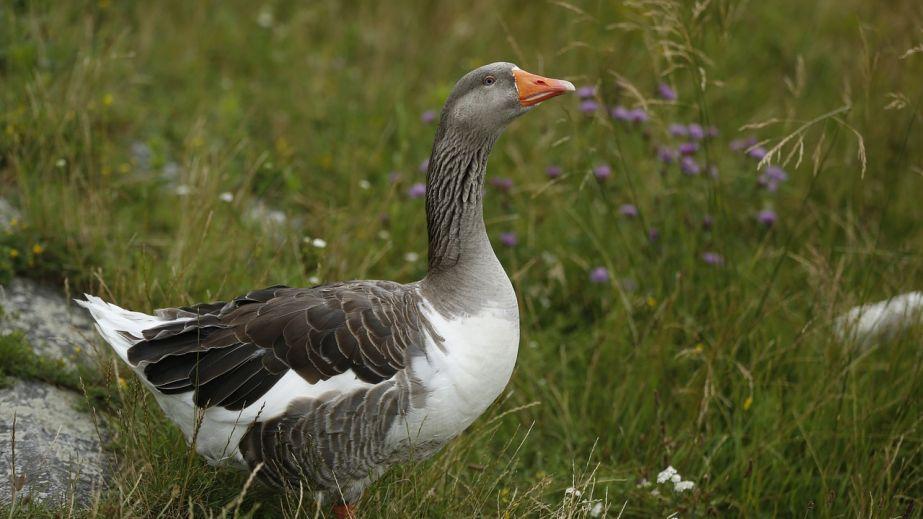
{"type": "Point", "coordinates": [232, 353]}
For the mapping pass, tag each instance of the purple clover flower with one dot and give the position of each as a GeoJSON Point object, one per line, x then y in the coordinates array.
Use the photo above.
{"type": "Point", "coordinates": [509, 239]}
{"type": "Point", "coordinates": [502, 184]}
{"type": "Point", "coordinates": [666, 155]}
{"type": "Point", "coordinates": [638, 115]}
{"type": "Point", "coordinates": [586, 92]}
{"type": "Point", "coordinates": [424, 166]}
{"type": "Point", "coordinates": [653, 235]}
{"type": "Point", "coordinates": [767, 217]}
{"type": "Point", "coordinates": [696, 131]}
{"type": "Point", "coordinates": [666, 92]}
{"type": "Point", "coordinates": [712, 258]}
{"type": "Point", "coordinates": [417, 190]}
{"type": "Point", "coordinates": [678, 130]}
{"type": "Point", "coordinates": [742, 144]}
{"type": "Point", "coordinates": [599, 275]}
{"type": "Point", "coordinates": [554, 171]}
{"type": "Point", "coordinates": [688, 148]}
{"type": "Point", "coordinates": [757, 153]}
{"type": "Point", "coordinates": [689, 166]}
{"type": "Point", "coordinates": [602, 172]}
{"type": "Point", "coordinates": [620, 113]}
{"type": "Point", "coordinates": [628, 210]}
{"type": "Point", "coordinates": [428, 116]}
{"type": "Point", "coordinates": [771, 178]}
{"type": "Point", "coordinates": [589, 106]}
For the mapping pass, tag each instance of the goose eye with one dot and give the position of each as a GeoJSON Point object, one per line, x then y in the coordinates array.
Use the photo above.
{"type": "Point", "coordinates": [489, 80]}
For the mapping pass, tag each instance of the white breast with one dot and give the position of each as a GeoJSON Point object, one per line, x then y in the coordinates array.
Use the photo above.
{"type": "Point", "coordinates": [463, 373]}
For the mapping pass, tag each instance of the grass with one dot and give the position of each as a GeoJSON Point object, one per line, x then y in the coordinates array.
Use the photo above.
{"type": "Point", "coordinates": [729, 373]}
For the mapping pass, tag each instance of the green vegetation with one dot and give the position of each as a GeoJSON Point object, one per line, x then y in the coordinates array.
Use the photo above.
{"type": "Point", "coordinates": [123, 123]}
{"type": "Point", "coordinates": [18, 360]}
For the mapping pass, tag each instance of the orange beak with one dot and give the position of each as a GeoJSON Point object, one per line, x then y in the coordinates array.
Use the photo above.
{"type": "Point", "coordinates": [534, 89]}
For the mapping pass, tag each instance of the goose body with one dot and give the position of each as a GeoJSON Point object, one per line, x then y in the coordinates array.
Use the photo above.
{"type": "Point", "coordinates": [326, 387]}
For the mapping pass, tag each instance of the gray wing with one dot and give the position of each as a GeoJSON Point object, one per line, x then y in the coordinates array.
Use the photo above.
{"type": "Point", "coordinates": [230, 354]}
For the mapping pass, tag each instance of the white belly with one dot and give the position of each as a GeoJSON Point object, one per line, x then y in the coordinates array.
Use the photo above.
{"type": "Point", "coordinates": [463, 374]}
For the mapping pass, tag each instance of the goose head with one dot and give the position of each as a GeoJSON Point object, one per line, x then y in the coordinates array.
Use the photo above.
{"type": "Point", "coordinates": [488, 98]}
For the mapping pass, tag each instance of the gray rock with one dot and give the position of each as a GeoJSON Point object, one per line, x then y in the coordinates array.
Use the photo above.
{"type": "Point", "coordinates": [56, 458]}
{"type": "Point", "coordinates": [7, 214]}
{"type": "Point", "coordinates": [57, 450]}
{"type": "Point", "coordinates": [54, 328]}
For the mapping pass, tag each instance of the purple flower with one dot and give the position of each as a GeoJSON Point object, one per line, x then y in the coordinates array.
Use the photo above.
{"type": "Point", "coordinates": [712, 258]}
{"type": "Point", "coordinates": [638, 115]}
{"type": "Point", "coordinates": [620, 113]}
{"type": "Point", "coordinates": [553, 171]}
{"type": "Point", "coordinates": [742, 144]}
{"type": "Point", "coordinates": [628, 210]}
{"type": "Point", "coordinates": [502, 184]}
{"type": "Point", "coordinates": [776, 173]}
{"type": "Point", "coordinates": [588, 106]}
{"type": "Point", "coordinates": [428, 116]}
{"type": "Point", "coordinates": [767, 217]}
{"type": "Point", "coordinates": [586, 92]}
{"type": "Point", "coordinates": [509, 239]}
{"type": "Point", "coordinates": [602, 172]}
{"type": "Point", "coordinates": [424, 166]}
{"type": "Point", "coordinates": [599, 275]}
{"type": "Point", "coordinates": [771, 178]}
{"type": "Point", "coordinates": [666, 155]}
{"type": "Point", "coordinates": [696, 131]}
{"type": "Point", "coordinates": [690, 166]}
{"type": "Point", "coordinates": [417, 190]}
{"type": "Point", "coordinates": [757, 153]}
{"type": "Point", "coordinates": [688, 148]}
{"type": "Point", "coordinates": [678, 130]}
{"type": "Point", "coordinates": [707, 222]}
{"type": "Point", "coordinates": [665, 91]}
{"type": "Point", "coordinates": [653, 234]}
{"type": "Point", "coordinates": [394, 177]}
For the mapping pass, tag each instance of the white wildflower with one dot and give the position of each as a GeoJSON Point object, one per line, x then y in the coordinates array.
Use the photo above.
{"type": "Point", "coordinates": [183, 190]}
{"type": "Point", "coordinates": [265, 18]}
{"type": "Point", "coordinates": [383, 234]}
{"type": "Point", "coordinates": [411, 257]}
{"type": "Point", "coordinates": [275, 216]}
{"type": "Point", "coordinates": [667, 473]}
{"type": "Point", "coordinates": [572, 491]}
{"type": "Point", "coordinates": [683, 486]}
{"type": "Point", "coordinates": [655, 492]}
{"type": "Point", "coordinates": [60, 163]}
{"type": "Point", "coordinates": [318, 243]}
{"type": "Point", "coordinates": [227, 196]}
{"type": "Point", "coordinates": [365, 184]}
{"type": "Point", "coordinates": [644, 483]}
{"type": "Point", "coordinates": [675, 478]}
{"type": "Point", "coordinates": [597, 509]}
{"type": "Point", "coordinates": [314, 280]}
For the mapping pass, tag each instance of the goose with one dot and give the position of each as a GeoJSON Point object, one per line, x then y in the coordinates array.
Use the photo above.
{"type": "Point", "coordinates": [324, 388]}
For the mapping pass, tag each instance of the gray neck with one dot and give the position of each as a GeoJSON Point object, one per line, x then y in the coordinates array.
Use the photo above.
{"type": "Point", "coordinates": [464, 273]}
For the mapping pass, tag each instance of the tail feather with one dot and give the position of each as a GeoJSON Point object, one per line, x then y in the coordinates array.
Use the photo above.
{"type": "Point", "coordinates": [866, 324]}
{"type": "Point", "coordinates": [119, 327]}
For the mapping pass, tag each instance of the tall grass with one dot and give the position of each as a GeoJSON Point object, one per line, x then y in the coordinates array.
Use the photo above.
{"type": "Point", "coordinates": [730, 373]}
